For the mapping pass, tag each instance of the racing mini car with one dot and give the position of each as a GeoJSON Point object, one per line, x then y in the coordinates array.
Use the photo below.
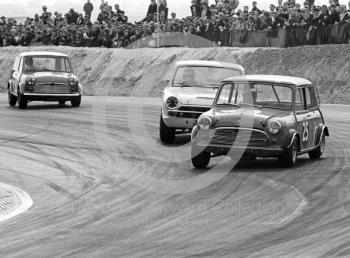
{"type": "Point", "coordinates": [43, 76]}
{"type": "Point", "coordinates": [190, 93]}
{"type": "Point", "coordinates": [261, 116]}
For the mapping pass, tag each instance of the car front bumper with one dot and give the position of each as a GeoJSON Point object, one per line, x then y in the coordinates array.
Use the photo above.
{"type": "Point", "coordinates": [266, 151]}
{"type": "Point", "coordinates": [179, 123]}
{"type": "Point", "coordinates": [50, 97]}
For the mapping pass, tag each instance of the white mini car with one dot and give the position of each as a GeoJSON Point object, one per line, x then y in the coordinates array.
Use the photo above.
{"type": "Point", "coordinates": [43, 76]}
{"type": "Point", "coordinates": [190, 93]}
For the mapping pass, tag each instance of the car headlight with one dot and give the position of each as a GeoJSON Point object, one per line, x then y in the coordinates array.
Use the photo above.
{"type": "Point", "coordinates": [30, 81]}
{"type": "Point", "coordinates": [172, 102]}
{"type": "Point", "coordinates": [205, 122]}
{"type": "Point", "coordinates": [274, 126]}
{"type": "Point", "coordinates": [72, 81]}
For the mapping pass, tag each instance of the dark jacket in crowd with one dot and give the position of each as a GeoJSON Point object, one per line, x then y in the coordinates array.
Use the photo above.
{"type": "Point", "coordinates": [152, 9]}
{"type": "Point", "coordinates": [72, 17]}
{"type": "Point", "coordinates": [196, 10]}
{"type": "Point", "coordinates": [334, 17]}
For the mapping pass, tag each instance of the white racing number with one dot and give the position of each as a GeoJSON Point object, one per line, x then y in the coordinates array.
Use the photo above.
{"type": "Point", "coordinates": [305, 131]}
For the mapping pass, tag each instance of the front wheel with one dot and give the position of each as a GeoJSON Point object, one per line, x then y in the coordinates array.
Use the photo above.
{"type": "Point", "coordinates": [318, 152]}
{"type": "Point", "coordinates": [22, 101]}
{"type": "Point", "coordinates": [11, 98]}
{"type": "Point", "coordinates": [200, 159]}
{"type": "Point", "coordinates": [167, 134]}
{"type": "Point", "coordinates": [289, 156]}
{"type": "Point", "coordinates": [76, 101]}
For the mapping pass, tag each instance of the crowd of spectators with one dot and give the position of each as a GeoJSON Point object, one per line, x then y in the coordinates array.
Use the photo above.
{"type": "Point", "coordinates": [305, 23]}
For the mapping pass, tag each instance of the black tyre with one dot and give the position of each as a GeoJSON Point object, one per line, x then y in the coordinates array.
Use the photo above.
{"type": "Point", "coordinates": [62, 102]}
{"type": "Point", "coordinates": [200, 159]}
{"type": "Point", "coordinates": [76, 101]}
{"type": "Point", "coordinates": [12, 99]}
{"type": "Point", "coordinates": [290, 155]}
{"type": "Point", "coordinates": [22, 101]}
{"type": "Point", "coordinates": [318, 152]}
{"type": "Point", "coordinates": [167, 134]}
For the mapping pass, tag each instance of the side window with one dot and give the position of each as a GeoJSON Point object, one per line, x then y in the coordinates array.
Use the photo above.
{"type": "Point", "coordinates": [299, 100]}
{"type": "Point", "coordinates": [227, 96]}
{"type": "Point", "coordinates": [311, 99]}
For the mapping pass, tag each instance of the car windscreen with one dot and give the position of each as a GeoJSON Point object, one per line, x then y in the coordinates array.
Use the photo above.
{"type": "Point", "coordinates": [191, 76]}
{"type": "Point", "coordinates": [258, 94]}
{"type": "Point", "coordinates": [46, 63]}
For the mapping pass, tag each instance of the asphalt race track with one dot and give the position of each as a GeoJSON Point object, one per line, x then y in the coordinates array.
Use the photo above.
{"type": "Point", "coordinates": [103, 186]}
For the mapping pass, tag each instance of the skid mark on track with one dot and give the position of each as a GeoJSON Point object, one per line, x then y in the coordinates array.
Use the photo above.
{"type": "Point", "coordinates": [302, 202]}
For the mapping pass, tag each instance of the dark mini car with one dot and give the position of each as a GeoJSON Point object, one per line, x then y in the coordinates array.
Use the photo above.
{"type": "Point", "coordinates": [261, 116]}
{"type": "Point", "coordinates": [43, 76]}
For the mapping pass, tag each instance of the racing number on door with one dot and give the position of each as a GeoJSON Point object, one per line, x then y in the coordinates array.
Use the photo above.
{"type": "Point", "coordinates": [305, 131]}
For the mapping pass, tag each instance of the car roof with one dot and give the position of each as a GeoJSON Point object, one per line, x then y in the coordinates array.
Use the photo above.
{"type": "Point", "coordinates": [42, 53]}
{"type": "Point", "coordinates": [209, 63]}
{"type": "Point", "coordinates": [271, 78]}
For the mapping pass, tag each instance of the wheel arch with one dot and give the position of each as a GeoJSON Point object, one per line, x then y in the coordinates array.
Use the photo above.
{"type": "Point", "coordinates": [293, 134]}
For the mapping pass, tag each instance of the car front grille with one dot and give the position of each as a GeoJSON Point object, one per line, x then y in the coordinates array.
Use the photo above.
{"type": "Point", "coordinates": [51, 88]}
{"type": "Point", "coordinates": [189, 112]}
{"type": "Point", "coordinates": [194, 109]}
{"type": "Point", "coordinates": [240, 137]}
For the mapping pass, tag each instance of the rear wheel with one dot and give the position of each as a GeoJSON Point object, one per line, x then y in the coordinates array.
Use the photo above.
{"type": "Point", "coordinates": [62, 102]}
{"type": "Point", "coordinates": [317, 153]}
{"type": "Point", "coordinates": [289, 156]}
{"type": "Point", "coordinates": [11, 98]}
{"type": "Point", "coordinates": [167, 134]}
{"type": "Point", "coordinates": [200, 159]}
{"type": "Point", "coordinates": [76, 101]}
{"type": "Point", "coordinates": [22, 101]}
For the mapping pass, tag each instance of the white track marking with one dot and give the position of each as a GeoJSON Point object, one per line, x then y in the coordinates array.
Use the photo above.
{"type": "Point", "coordinates": [301, 205]}
{"type": "Point", "coordinates": [24, 202]}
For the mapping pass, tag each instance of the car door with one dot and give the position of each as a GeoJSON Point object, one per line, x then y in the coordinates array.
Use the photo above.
{"type": "Point", "coordinates": [312, 105]}
{"type": "Point", "coordinates": [305, 120]}
{"type": "Point", "coordinates": [16, 75]}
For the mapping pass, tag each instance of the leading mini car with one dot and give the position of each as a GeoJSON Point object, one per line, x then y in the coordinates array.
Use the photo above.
{"type": "Point", "coordinates": [43, 76]}
{"type": "Point", "coordinates": [190, 93]}
{"type": "Point", "coordinates": [262, 116]}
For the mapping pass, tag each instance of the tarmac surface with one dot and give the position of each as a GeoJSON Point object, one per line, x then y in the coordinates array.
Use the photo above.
{"type": "Point", "coordinates": [103, 185]}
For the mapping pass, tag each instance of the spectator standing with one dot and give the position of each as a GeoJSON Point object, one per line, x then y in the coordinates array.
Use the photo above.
{"type": "Point", "coordinates": [72, 17]}
{"type": "Point", "coordinates": [152, 8]}
{"type": "Point", "coordinates": [88, 8]}
{"type": "Point", "coordinates": [255, 8]}
{"type": "Point", "coordinates": [205, 11]}
{"type": "Point", "coordinates": [45, 15]}
{"type": "Point", "coordinates": [195, 9]}
{"type": "Point", "coordinates": [118, 10]}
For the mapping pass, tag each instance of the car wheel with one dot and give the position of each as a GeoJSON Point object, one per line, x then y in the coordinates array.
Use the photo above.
{"type": "Point", "coordinates": [200, 159]}
{"type": "Point", "coordinates": [11, 98]}
{"type": "Point", "coordinates": [167, 134]}
{"type": "Point", "coordinates": [290, 155]}
{"type": "Point", "coordinates": [22, 101]}
{"type": "Point", "coordinates": [318, 152]}
{"type": "Point", "coordinates": [76, 101]}
{"type": "Point", "coordinates": [62, 102]}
